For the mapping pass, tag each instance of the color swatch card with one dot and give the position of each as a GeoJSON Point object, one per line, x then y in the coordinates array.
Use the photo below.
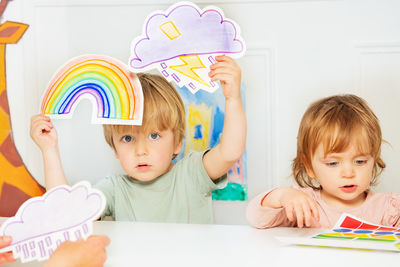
{"type": "Point", "coordinates": [43, 223]}
{"type": "Point", "coordinates": [115, 93]}
{"type": "Point", "coordinates": [182, 43]}
{"type": "Point", "coordinates": [352, 232]}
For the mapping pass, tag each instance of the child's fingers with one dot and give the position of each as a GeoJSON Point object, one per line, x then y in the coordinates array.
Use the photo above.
{"type": "Point", "coordinates": [222, 64]}
{"type": "Point", "coordinates": [314, 209]}
{"type": "Point", "coordinates": [9, 256]}
{"type": "Point", "coordinates": [39, 125]}
{"type": "Point", "coordinates": [223, 58]}
{"type": "Point", "coordinates": [43, 126]}
{"type": "Point", "coordinates": [226, 71]}
{"type": "Point", "coordinates": [103, 240]}
{"type": "Point", "coordinates": [39, 117]}
{"type": "Point", "coordinates": [289, 212]}
{"type": "Point", "coordinates": [5, 241]}
{"type": "Point", "coordinates": [221, 77]}
{"type": "Point", "coordinates": [6, 257]}
{"type": "Point", "coordinates": [299, 215]}
{"type": "Point", "coordinates": [307, 214]}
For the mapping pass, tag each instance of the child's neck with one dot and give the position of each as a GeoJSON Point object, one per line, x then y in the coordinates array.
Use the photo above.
{"type": "Point", "coordinates": [341, 204]}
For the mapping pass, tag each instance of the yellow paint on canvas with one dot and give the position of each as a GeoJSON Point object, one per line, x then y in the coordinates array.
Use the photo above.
{"type": "Point", "coordinates": [198, 115]}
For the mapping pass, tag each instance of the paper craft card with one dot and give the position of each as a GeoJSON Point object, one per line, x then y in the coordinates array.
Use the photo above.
{"type": "Point", "coordinates": [43, 223]}
{"type": "Point", "coordinates": [352, 232]}
{"type": "Point", "coordinates": [182, 43]}
{"type": "Point", "coordinates": [115, 93]}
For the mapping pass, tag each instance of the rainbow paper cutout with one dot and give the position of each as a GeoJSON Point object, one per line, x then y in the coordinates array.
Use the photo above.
{"type": "Point", "coordinates": [115, 93]}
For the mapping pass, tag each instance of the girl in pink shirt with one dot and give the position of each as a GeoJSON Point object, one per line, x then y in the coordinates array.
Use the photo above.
{"type": "Point", "coordinates": [338, 160]}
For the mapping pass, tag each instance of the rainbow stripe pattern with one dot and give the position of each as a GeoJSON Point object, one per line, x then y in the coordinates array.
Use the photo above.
{"type": "Point", "coordinates": [115, 93]}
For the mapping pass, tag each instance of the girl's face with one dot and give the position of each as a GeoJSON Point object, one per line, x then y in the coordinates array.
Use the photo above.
{"type": "Point", "coordinates": [344, 177]}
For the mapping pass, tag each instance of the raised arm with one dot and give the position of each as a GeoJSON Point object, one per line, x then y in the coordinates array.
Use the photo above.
{"type": "Point", "coordinates": [44, 135]}
{"type": "Point", "coordinates": [233, 139]}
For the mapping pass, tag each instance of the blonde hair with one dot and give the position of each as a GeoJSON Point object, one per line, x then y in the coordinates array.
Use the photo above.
{"type": "Point", "coordinates": [163, 109]}
{"type": "Point", "coordinates": [335, 122]}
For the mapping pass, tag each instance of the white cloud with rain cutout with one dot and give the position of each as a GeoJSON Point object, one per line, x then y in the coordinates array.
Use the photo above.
{"type": "Point", "coordinates": [182, 43]}
{"type": "Point", "coordinates": [43, 223]}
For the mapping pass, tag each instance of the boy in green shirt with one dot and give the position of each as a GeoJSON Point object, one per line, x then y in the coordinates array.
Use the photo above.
{"type": "Point", "coordinates": [155, 189]}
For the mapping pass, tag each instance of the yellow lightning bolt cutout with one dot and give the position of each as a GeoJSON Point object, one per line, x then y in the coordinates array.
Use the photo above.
{"type": "Point", "coordinates": [191, 62]}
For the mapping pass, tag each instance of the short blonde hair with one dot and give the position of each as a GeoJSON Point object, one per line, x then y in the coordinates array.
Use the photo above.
{"type": "Point", "coordinates": [163, 109]}
{"type": "Point", "coordinates": [335, 122]}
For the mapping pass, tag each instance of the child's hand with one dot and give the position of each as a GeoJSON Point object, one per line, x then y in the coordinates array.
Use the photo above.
{"type": "Point", "coordinates": [229, 74]}
{"type": "Point", "coordinates": [43, 132]}
{"type": "Point", "coordinates": [299, 207]}
{"type": "Point", "coordinates": [88, 253]}
{"type": "Point", "coordinates": [6, 256]}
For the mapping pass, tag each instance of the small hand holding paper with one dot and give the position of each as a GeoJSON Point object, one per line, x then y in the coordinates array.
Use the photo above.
{"type": "Point", "coordinates": [6, 256]}
{"type": "Point", "coordinates": [229, 74]}
{"type": "Point", "coordinates": [42, 223]}
{"type": "Point", "coordinates": [89, 253]}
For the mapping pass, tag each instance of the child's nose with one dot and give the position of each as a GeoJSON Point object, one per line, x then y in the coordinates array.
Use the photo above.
{"type": "Point", "coordinates": [348, 171]}
{"type": "Point", "coordinates": [141, 147]}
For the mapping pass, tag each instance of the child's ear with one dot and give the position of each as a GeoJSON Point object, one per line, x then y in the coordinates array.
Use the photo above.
{"type": "Point", "coordinates": [178, 148]}
{"type": "Point", "coordinates": [310, 172]}
{"type": "Point", "coordinates": [308, 167]}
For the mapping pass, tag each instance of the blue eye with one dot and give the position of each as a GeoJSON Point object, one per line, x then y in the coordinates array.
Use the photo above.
{"type": "Point", "coordinates": [361, 162]}
{"type": "Point", "coordinates": [154, 136]}
{"type": "Point", "coordinates": [127, 138]}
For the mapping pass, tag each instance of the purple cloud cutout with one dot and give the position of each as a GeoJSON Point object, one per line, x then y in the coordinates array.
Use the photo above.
{"type": "Point", "coordinates": [201, 33]}
{"type": "Point", "coordinates": [60, 209]}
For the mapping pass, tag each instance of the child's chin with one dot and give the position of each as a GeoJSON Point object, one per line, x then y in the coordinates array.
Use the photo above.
{"type": "Point", "coordinates": [143, 178]}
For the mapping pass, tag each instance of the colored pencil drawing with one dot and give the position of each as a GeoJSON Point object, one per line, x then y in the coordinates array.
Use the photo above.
{"type": "Point", "coordinates": [115, 93]}
{"type": "Point", "coordinates": [182, 43]}
{"type": "Point", "coordinates": [43, 223]}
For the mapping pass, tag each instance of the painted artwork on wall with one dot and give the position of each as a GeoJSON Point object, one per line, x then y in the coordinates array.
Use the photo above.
{"type": "Point", "coordinates": [16, 183]}
{"type": "Point", "coordinates": [116, 94]}
{"type": "Point", "coordinates": [41, 224]}
{"type": "Point", "coordinates": [182, 42]}
{"type": "Point", "coordinates": [352, 232]}
{"type": "Point", "coordinates": [204, 122]}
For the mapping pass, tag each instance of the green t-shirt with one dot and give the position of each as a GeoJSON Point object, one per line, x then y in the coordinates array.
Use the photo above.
{"type": "Point", "coordinates": [182, 195]}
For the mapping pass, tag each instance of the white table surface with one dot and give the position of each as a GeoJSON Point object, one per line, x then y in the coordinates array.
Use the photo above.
{"type": "Point", "coordinates": [161, 244]}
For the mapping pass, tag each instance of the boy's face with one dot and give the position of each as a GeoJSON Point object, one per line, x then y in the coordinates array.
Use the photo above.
{"type": "Point", "coordinates": [344, 176]}
{"type": "Point", "coordinates": [145, 156]}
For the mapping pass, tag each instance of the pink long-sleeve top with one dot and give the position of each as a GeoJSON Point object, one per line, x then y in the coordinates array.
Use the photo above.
{"type": "Point", "coordinates": [378, 208]}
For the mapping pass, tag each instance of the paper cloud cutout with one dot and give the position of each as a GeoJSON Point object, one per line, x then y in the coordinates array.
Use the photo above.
{"type": "Point", "coordinates": [182, 43]}
{"type": "Point", "coordinates": [43, 223]}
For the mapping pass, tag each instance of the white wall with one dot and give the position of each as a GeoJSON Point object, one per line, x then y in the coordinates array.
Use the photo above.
{"type": "Point", "coordinates": [298, 51]}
